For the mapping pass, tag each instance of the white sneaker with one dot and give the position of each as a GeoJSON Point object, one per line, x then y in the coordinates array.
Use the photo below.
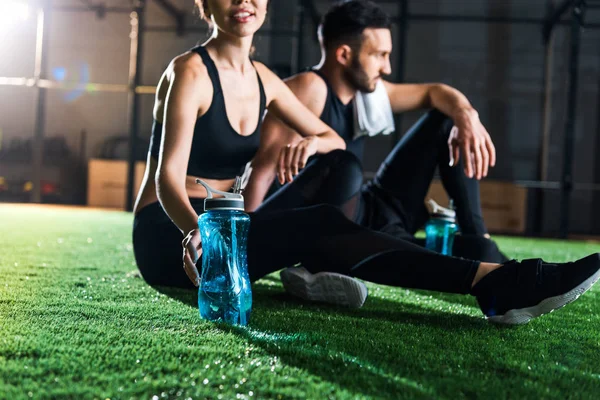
{"type": "Point", "coordinates": [326, 287]}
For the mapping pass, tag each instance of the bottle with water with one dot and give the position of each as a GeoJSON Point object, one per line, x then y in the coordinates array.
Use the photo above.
{"type": "Point", "coordinates": [224, 293]}
{"type": "Point", "coordinates": [441, 228]}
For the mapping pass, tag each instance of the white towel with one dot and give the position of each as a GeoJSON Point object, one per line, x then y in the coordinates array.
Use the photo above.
{"type": "Point", "coordinates": [373, 113]}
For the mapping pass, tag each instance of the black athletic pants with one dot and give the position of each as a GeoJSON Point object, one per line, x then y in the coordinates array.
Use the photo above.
{"type": "Point", "coordinates": [393, 202]}
{"type": "Point", "coordinates": [320, 237]}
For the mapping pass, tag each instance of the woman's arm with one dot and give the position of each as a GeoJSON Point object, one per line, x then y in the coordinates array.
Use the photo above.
{"type": "Point", "coordinates": [289, 109]}
{"type": "Point", "coordinates": [311, 90]}
{"type": "Point", "coordinates": [189, 93]}
{"type": "Point", "coordinates": [318, 136]}
{"type": "Point", "coordinates": [186, 95]}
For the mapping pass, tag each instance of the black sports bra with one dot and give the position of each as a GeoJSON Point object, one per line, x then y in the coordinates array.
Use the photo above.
{"type": "Point", "coordinates": [218, 151]}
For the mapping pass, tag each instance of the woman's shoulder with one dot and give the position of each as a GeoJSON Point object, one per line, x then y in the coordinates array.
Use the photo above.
{"type": "Point", "coordinates": [305, 79]}
{"type": "Point", "coordinates": [188, 64]}
{"type": "Point", "coordinates": [265, 73]}
{"type": "Point", "coordinates": [271, 82]}
{"type": "Point", "coordinates": [187, 70]}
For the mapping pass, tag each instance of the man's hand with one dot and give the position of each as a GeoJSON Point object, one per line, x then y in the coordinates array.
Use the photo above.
{"type": "Point", "coordinates": [469, 137]}
{"type": "Point", "coordinates": [293, 158]}
{"type": "Point", "coordinates": [192, 250]}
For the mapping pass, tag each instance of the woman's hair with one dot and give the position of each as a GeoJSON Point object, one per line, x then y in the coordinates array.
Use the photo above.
{"type": "Point", "coordinates": [345, 22]}
{"type": "Point", "coordinates": [203, 9]}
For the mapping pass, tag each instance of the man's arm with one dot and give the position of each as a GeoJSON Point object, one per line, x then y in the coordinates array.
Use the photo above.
{"type": "Point", "coordinates": [275, 135]}
{"type": "Point", "coordinates": [470, 136]}
{"type": "Point", "coordinates": [408, 97]}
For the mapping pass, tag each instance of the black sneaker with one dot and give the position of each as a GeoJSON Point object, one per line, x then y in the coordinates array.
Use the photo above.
{"type": "Point", "coordinates": [520, 291]}
{"type": "Point", "coordinates": [326, 287]}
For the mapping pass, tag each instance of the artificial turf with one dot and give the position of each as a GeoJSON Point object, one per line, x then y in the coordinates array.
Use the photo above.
{"type": "Point", "coordinates": [76, 322]}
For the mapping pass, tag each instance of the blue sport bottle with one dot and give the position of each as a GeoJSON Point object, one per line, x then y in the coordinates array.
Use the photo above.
{"type": "Point", "coordinates": [440, 229]}
{"type": "Point", "coordinates": [224, 293]}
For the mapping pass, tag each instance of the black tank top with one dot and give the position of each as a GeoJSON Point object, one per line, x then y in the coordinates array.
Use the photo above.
{"type": "Point", "coordinates": [218, 151]}
{"type": "Point", "coordinates": [340, 117]}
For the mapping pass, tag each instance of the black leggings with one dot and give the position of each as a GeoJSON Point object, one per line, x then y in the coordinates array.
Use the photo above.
{"type": "Point", "coordinates": [319, 237]}
{"type": "Point", "coordinates": [393, 202]}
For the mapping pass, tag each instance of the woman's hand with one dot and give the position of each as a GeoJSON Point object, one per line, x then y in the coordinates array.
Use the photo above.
{"type": "Point", "coordinates": [293, 158]}
{"type": "Point", "coordinates": [192, 250]}
{"type": "Point", "coordinates": [289, 110]}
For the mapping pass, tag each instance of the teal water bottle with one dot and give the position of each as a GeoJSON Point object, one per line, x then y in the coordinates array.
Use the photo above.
{"type": "Point", "coordinates": [224, 293]}
{"type": "Point", "coordinates": [440, 229]}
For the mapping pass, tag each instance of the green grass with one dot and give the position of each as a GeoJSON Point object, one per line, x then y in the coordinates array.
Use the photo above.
{"type": "Point", "coordinates": [76, 323]}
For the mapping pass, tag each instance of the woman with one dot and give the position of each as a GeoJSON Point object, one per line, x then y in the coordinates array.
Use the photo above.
{"type": "Point", "coordinates": [212, 99]}
{"type": "Point", "coordinates": [207, 117]}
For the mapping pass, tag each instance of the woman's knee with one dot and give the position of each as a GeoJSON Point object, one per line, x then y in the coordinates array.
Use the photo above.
{"type": "Point", "coordinates": [156, 275]}
{"type": "Point", "coordinates": [160, 264]}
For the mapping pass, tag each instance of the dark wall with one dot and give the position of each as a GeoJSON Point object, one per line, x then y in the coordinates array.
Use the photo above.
{"type": "Point", "coordinates": [499, 67]}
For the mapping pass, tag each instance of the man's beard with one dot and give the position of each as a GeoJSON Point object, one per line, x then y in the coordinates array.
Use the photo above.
{"type": "Point", "coordinates": [356, 76]}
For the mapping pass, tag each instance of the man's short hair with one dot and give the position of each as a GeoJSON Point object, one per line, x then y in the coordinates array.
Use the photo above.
{"type": "Point", "coordinates": [345, 22]}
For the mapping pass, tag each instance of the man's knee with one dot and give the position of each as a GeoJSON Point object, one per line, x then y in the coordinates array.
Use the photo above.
{"type": "Point", "coordinates": [341, 158]}
{"type": "Point", "coordinates": [439, 120]}
{"type": "Point", "coordinates": [344, 164]}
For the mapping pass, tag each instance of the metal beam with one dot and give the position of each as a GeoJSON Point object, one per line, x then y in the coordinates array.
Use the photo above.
{"type": "Point", "coordinates": [311, 10]}
{"type": "Point", "coordinates": [198, 29]}
{"type": "Point", "coordinates": [86, 87]}
{"type": "Point", "coordinates": [546, 102]}
{"type": "Point", "coordinates": [547, 98]}
{"type": "Point", "coordinates": [569, 138]}
{"type": "Point", "coordinates": [556, 185]}
{"type": "Point", "coordinates": [137, 21]}
{"type": "Point", "coordinates": [554, 17]}
{"type": "Point", "coordinates": [401, 67]}
{"type": "Point", "coordinates": [99, 8]}
{"type": "Point", "coordinates": [174, 12]}
{"type": "Point", "coordinates": [596, 198]}
{"type": "Point", "coordinates": [423, 17]}
{"type": "Point", "coordinates": [300, 39]}
{"type": "Point", "coordinates": [41, 66]}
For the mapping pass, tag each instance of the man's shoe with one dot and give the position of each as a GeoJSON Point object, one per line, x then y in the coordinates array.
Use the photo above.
{"type": "Point", "coordinates": [517, 292]}
{"type": "Point", "coordinates": [326, 287]}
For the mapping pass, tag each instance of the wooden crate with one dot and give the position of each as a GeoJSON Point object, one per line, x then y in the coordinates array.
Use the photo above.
{"type": "Point", "coordinates": [503, 204]}
{"type": "Point", "coordinates": [107, 182]}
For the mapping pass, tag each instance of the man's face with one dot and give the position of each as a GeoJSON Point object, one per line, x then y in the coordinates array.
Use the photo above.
{"type": "Point", "coordinates": [371, 61]}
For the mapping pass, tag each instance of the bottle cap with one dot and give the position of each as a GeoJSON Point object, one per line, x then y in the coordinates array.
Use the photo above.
{"type": "Point", "coordinates": [439, 212]}
{"type": "Point", "coordinates": [229, 201]}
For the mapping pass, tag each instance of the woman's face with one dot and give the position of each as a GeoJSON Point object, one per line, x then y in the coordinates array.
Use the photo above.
{"type": "Point", "coordinates": [238, 17]}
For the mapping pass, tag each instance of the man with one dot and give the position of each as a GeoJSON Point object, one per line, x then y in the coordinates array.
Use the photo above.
{"type": "Point", "coordinates": [356, 45]}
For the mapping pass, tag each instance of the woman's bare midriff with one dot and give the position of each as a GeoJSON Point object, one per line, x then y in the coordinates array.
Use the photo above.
{"type": "Point", "coordinates": [147, 194]}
